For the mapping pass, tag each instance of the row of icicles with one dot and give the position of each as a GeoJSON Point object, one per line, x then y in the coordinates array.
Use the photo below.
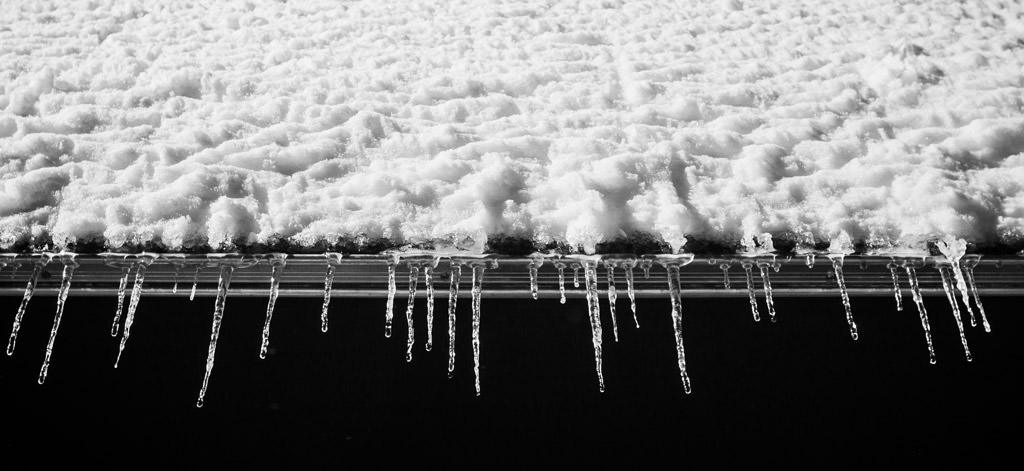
{"type": "Point", "coordinates": [957, 276]}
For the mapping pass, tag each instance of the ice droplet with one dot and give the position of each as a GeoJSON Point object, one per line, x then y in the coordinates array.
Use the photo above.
{"type": "Point", "coordinates": [62, 296]}
{"type": "Point", "coordinates": [478, 289]}
{"type": "Point", "coordinates": [915, 291]}
{"type": "Point", "coordinates": [768, 299]}
{"type": "Point", "coordinates": [612, 297]}
{"type": "Point", "coordinates": [30, 289]}
{"type": "Point", "coordinates": [121, 286]}
{"type": "Point", "coordinates": [389, 314]}
{"type": "Point", "coordinates": [328, 284]}
{"type": "Point", "coordinates": [837, 266]}
{"type": "Point", "coordinates": [631, 291]}
{"type": "Point", "coordinates": [453, 299]}
{"type": "Point", "coordinates": [414, 274]}
{"type": "Point", "coordinates": [277, 264]}
{"type": "Point", "coordinates": [677, 323]}
{"type": "Point", "coordinates": [947, 286]}
{"type": "Point", "coordinates": [223, 283]}
{"type": "Point", "coordinates": [428, 279]}
{"type": "Point", "coordinates": [594, 308]}
{"type": "Point", "coordinates": [140, 277]}
{"type": "Point", "coordinates": [896, 292]}
{"type": "Point", "coordinates": [751, 295]}
{"type": "Point", "coordinates": [969, 272]}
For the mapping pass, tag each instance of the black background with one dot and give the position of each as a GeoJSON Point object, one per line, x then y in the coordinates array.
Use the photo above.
{"type": "Point", "coordinates": [796, 391]}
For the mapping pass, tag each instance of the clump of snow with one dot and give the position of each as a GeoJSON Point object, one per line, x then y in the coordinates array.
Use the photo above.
{"type": "Point", "coordinates": [450, 122]}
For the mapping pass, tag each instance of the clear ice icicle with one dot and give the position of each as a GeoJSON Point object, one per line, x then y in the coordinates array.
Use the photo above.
{"type": "Point", "coordinates": [133, 304]}
{"type": "Point", "coordinates": [62, 296]}
{"type": "Point", "coordinates": [328, 284]}
{"type": "Point", "coordinates": [837, 266]}
{"type": "Point", "coordinates": [915, 291]}
{"type": "Point", "coordinates": [612, 297]}
{"type": "Point", "coordinates": [277, 266]}
{"type": "Point", "coordinates": [751, 295]}
{"type": "Point", "coordinates": [594, 309]}
{"type": "Point", "coordinates": [177, 273]}
{"type": "Point", "coordinates": [453, 299]}
{"type": "Point", "coordinates": [954, 250]}
{"type": "Point", "coordinates": [725, 275]}
{"type": "Point", "coordinates": [969, 273]}
{"type": "Point", "coordinates": [645, 265]}
{"type": "Point", "coordinates": [631, 291]}
{"type": "Point", "coordinates": [533, 278]}
{"type": "Point", "coordinates": [576, 276]}
{"type": "Point", "coordinates": [195, 283]}
{"type": "Point", "coordinates": [677, 324]}
{"type": "Point", "coordinates": [768, 299]}
{"type": "Point", "coordinates": [428, 279]}
{"type": "Point", "coordinates": [561, 282]}
{"type": "Point", "coordinates": [30, 289]}
{"type": "Point", "coordinates": [121, 287]}
{"type": "Point", "coordinates": [389, 314]}
{"type": "Point", "coordinates": [478, 288]}
{"type": "Point", "coordinates": [896, 292]}
{"type": "Point", "coordinates": [414, 274]}
{"type": "Point", "coordinates": [951, 297]}
{"type": "Point", "coordinates": [223, 283]}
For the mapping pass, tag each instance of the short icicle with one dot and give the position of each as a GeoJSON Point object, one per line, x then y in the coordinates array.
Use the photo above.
{"type": "Point", "coordinates": [133, 304]}
{"type": "Point", "coordinates": [631, 291]}
{"type": "Point", "coordinates": [328, 285]}
{"type": "Point", "coordinates": [751, 295]}
{"type": "Point", "coordinates": [896, 292]}
{"type": "Point", "coordinates": [30, 289]}
{"type": "Point", "coordinates": [277, 264]}
{"type": "Point", "coordinates": [453, 299]}
{"type": "Point", "coordinates": [414, 274]}
{"type": "Point", "coordinates": [428, 279]}
{"type": "Point", "coordinates": [969, 273]}
{"type": "Point", "coordinates": [177, 273]}
{"type": "Point", "coordinates": [223, 284]}
{"type": "Point", "coordinates": [915, 291]}
{"type": "Point", "coordinates": [561, 282]}
{"type": "Point", "coordinates": [947, 285]}
{"type": "Point", "coordinates": [594, 308]}
{"type": "Point", "coordinates": [612, 297]}
{"type": "Point", "coordinates": [837, 266]}
{"type": "Point", "coordinates": [389, 313]}
{"type": "Point", "coordinates": [478, 283]}
{"type": "Point", "coordinates": [576, 276]}
{"type": "Point", "coordinates": [677, 323]}
{"type": "Point", "coordinates": [725, 275]}
{"type": "Point", "coordinates": [121, 286]}
{"type": "Point", "coordinates": [535, 264]}
{"type": "Point", "coordinates": [809, 260]}
{"type": "Point", "coordinates": [62, 296]}
{"type": "Point", "coordinates": [768, 299]}
{"type": "Point", "coordinates": [195, 283]}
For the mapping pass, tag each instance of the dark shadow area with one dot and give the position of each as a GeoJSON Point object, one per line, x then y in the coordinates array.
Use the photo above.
{"type": "Point", "coordinates": [796, 391]}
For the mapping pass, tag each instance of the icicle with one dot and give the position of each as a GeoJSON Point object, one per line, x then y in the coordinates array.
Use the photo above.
{"type": "Point", "coordinates": [631, 291]}
{"type": "Point", "coordinates": [453, 298]}
{"type": "Point", "coordinates": [561, 281]}
{"type": "Point", "coordinates": [177, 273]}
{"type": "Point", "coordinates": [121, 286]}
{"type": "Point", "coordinates": [725, 275]}
{"type": "Point", "coordinates": [30, 289]}
{"type": "Point", "coordinates": [837, 266]}
{"type": "Point", "coordinates": [750, 291]}
{"type": "Point", "coordinates": [594, 308]}
{"type": "Point", "coordinates": [645, 265]}
{"type": "Point", "coordinates": [767, 291]}
{"type": "Point", "coordinates": [915, 291]}
{"type": "Point", "coordinates": [328, 285]}
{"type": "Point", "coordinates": [612, 296]}
{"type": "Point", "coordinates": [677, 323]}
{"type": "Point", "coordinates": [810, 260]}
{"type": "Point", "coordinates": [195, 282]}
{"type": "Point", "coordinates": [969, 272]}
{"type": "Point", "coordinates": [951, 297]}
{"type": "Point", "coordinates": [133, 304]}
{"type": "Point", "coordinates": [954, 250]}
{"type": "Point", "coordinates": [389, 314]}
{"type": "Point", "coordinates": [478, 282]}
{"type": "Point", "coordinates": [896, 292]}
{"type": "Point", "coordinates": [428, 278]}
{"type": "Point", "coordinates": [533, 266]}
{"type": "Point", "coordinates": [276, 267]}
{"type": "Point", "coordinates": [414, 272]}
{"type": "Point", "coordinates": [576, 276]}
{"type": "Point", "coordinates": [223, 283]}
{"type": "Point", "coordinates": [62, 296]}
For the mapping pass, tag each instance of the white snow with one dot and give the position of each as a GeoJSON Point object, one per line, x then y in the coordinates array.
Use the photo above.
{"type": "Point", "coordinates": [582, 121]}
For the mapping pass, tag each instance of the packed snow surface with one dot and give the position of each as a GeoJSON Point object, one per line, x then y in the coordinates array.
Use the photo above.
{"type": "Point", "coordinates": [243, 122]}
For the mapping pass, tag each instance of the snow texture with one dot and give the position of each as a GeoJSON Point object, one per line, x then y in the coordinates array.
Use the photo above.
{"type": "Point", "coordinates": [186, 124]}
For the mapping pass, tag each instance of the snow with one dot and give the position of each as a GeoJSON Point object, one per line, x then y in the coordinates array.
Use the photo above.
{"type": "Point", "coordinates": [186, 124]}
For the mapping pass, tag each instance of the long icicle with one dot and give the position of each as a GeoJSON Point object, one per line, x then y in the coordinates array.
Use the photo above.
{"type": "Point", "coordinates": [951, 297]}
{"type": "Point", "coordinates": [837, 266]}
{"type": "Point", "coordinates": [768, 298]}
{"type": "Point", "coordinates": [30, 289]}
{"type": "Point", "coordinates": [478, 288]}
{"type": "Point", "coordinates": [969, 273]}
{"type": "Point", "coordinates": [896, 292]}
{"type": "Point", "coordinates": [62, 296]}
{"type": "Point", "coordinates": [121, 286]}
{"type": "Point", "coordinates": [594, 307]}
{"type": "Point", "coordinates": [961, 285]}
{"type": "Point", "coordinates": [453, 299]}
{"type": "Point", "coordinates": [747, 267]}
{"type": "Point", "coordinates": [631, 291]}
{"type": "Point", "coordinates": [277, 266]}
{"type": "Point", "coordinates": [677, 324]}
{"type": "Point", "coordinates": [414, 274]}
{"type": "Point", "coordinates": [915, 291]}
{"type": "Point", "coordinates": [612, 297]}
{"type": "Point", "coordinates": [328, 285]}
{"type": "Point", "coordinates": [428, 279]}
{"type": "Point", "coordinates": [133, 304]}
{"type": "Point", "coordinates": [223, 284]}
{"type": "Point", "coordinates": [389, 313]}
